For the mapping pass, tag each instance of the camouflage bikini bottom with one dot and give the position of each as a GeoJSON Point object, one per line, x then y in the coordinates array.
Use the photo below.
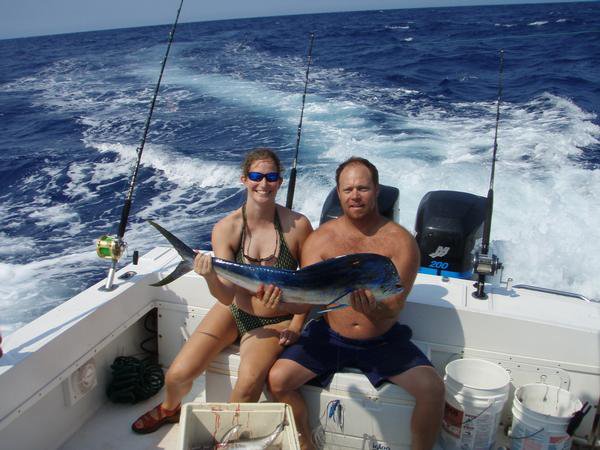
{"type": "Point", "coordinates": [246, 322]}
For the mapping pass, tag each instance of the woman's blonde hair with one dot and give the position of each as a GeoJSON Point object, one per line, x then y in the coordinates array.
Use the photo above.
{"type": "Point", "coordinates": [259, 154]}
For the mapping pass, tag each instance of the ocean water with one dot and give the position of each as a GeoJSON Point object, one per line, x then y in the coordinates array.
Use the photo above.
{"type": "Point", "coordinates": [412, 90]}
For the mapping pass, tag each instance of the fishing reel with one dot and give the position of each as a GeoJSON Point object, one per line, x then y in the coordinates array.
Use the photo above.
{"type": "Point", "coordinates": [110, 247]}
{"type": "Point", "coordinates": [486, 264]}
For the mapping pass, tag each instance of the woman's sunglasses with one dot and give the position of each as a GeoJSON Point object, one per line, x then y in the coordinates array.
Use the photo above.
{"type": "Point", "coordinates": [271, 177]}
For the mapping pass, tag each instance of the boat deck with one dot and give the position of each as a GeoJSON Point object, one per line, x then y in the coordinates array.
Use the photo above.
{"type": "Point", "coordinates": [110, 429]}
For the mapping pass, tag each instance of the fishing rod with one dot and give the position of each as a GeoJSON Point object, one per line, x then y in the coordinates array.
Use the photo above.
{"type": "Point", "coordinates": [112, 247]}
{"type": "Point", "coordinates": [484, 263]}
{"type": "Point", "coordinates": [292, 185]}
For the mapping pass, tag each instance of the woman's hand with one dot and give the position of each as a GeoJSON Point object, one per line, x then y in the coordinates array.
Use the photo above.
{"type": "Point", "coordinates": [269, 296]}
{"type": "Point", "coordinates": [288, 337]}
{"type": "Point", "coordinates": [203, 264]}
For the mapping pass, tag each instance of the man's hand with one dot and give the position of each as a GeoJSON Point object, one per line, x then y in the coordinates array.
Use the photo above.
{"type": "Point", "coordinates": [269, 296]}
{"type": "Point", "coordinates": [363, 301]}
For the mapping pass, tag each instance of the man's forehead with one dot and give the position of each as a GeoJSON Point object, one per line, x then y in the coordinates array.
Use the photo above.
{"type": "Point", "coordinates": [354, 172]}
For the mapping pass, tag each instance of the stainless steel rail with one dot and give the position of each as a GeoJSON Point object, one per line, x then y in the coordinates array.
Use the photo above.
{"type": "Point", "coordinates": [554, 291]}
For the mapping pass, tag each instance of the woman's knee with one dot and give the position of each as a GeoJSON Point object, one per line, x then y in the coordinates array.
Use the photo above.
{"type": "Point", "coordinates": [178, 374]}
{"type": "Point", "coordinates": [250, 382]}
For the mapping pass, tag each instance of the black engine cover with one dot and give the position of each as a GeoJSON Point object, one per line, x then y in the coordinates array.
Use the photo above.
{"type": "Point", "coordinates": [448, 224]}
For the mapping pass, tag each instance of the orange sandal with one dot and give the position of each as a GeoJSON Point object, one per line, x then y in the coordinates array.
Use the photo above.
{"type": "Point", "coordinates": [149, 423]}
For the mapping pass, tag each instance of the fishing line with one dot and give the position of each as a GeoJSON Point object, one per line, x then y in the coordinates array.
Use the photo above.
{"type": "Point", "coordinates": [109, 247]}
{"type": "Point", "coordinates": [292, 185]}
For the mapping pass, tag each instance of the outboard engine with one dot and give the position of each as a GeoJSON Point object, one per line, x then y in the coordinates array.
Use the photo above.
{"type": "Point", "coordinates": [387, 202]}
{"type": "Point", "coordinates": [447, 226]}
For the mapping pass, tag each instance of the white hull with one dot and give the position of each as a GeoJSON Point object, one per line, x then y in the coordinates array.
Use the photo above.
{"type": "Point", "coordinates": [538, 337]}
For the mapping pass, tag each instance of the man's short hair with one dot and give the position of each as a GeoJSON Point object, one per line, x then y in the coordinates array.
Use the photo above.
{"type": "Point", "coordinates": [357, 160]}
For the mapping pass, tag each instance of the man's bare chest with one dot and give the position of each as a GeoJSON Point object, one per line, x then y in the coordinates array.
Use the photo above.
{"type": "Point", "coordinates": [345, 245]}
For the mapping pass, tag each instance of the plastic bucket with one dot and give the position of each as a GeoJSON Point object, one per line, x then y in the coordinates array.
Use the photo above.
{"type": "Point", "coordinates": [541, 414]}
{"type": "Point", "coordinates": [476, 391]}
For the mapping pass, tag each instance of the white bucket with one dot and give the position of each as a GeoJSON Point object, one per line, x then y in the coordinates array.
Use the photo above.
{"type": "Point", "coordinates": [476, 391]}
{"type": "Point", "coordinates": [541, 414]}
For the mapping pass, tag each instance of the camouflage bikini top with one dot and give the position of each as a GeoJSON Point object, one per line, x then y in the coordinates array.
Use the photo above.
{"type": "Point", "coordinates": [285, 259]}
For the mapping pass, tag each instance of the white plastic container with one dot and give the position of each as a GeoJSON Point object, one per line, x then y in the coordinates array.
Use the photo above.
{"type": "Point", "coordinates": [204, 424]}
{"type": "Point", "coordinates": [476, 391]}
{"type": "Point", "coordinates": [351, 414]}
{"type": "Point", "coordinates": [541, 414]}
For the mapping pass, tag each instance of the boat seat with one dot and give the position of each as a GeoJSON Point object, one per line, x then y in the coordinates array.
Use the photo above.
{"type": "Point", "coordinates": [347, 380]}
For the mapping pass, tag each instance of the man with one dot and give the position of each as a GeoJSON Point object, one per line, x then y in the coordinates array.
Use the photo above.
{"type": "Point", "coordinates": [367, 327]}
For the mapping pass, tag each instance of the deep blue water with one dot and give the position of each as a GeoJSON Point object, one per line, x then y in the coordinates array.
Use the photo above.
{"type": "Point", "coordinates": [412, 90]}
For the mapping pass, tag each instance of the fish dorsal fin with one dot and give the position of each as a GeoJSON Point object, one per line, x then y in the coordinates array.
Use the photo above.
{"type": "Point", "coordinates": [344, 262]}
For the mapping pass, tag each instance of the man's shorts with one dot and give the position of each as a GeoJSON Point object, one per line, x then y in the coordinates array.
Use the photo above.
{"type": "Point", "coordinates": [325, 352]}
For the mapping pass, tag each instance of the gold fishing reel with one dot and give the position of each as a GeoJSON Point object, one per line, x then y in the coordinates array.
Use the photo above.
{"type": "Point", "coordinates": [110, 247]}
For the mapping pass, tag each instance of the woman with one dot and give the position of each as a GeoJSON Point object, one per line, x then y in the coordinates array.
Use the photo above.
{"type": "Point", "coordinates": [260, 232]}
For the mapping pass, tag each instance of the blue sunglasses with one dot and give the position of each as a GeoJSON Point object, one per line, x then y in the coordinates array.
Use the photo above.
{"type": "Point", "coordinates": [271, 177]}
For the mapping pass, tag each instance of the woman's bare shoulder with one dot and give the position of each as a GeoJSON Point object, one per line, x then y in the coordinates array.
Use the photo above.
{"type": "Point", "coordinates": [230, 225]}
{"type": "Point", "coordinates": [292, 219]}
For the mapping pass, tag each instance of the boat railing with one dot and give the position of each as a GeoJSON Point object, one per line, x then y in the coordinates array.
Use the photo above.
{"type": "Point", "coordinates": [555, 291]}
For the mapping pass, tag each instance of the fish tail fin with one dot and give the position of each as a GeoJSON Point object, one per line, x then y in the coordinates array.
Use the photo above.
{"type": "Point", "coordinates": [181, 269]}
{"type": "Point", "coordinates": [186, 253]}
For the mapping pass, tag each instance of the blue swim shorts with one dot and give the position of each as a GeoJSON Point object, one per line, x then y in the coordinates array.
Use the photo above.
{"type": "Point", "coordinates": [325, 352]}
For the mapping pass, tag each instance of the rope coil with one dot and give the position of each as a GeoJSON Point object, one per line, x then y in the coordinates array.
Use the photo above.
{"type": "Point", "coordinates": [134, 380]}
